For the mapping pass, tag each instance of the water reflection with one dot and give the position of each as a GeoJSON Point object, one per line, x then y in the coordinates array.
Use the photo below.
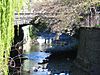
{"type": "Point", "coordinates": [37, 56]}
{"type": "Point", "coordinates": [41, 63]}
{"type": "Point", "coordinates": [59, 64]}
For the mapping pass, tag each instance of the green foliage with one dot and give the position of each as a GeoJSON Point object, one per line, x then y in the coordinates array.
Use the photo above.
{"type": "Point", "coordinates": [39, 25]}
{"type": "Point", "coordinates": [7, 9]}
{"type": "Point", "coordinates": [98, 25]}
{"type": "Point", "coordinates": [32, 32]}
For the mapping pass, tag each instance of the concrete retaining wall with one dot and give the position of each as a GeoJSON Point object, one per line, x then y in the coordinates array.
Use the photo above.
{"type": "Point", "coordinates": [89, 48]}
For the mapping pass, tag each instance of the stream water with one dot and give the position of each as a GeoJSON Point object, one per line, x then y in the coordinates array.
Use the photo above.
{"type": "Point", "coordinates": [40, 63]}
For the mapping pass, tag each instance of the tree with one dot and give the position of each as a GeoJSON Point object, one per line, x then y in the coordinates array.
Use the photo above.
{"type": "Point", "coordinates": [7, 9]}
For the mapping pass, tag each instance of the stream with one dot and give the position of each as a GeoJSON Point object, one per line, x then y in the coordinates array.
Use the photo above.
{"type": "Point", "coordinates": [40, 63]}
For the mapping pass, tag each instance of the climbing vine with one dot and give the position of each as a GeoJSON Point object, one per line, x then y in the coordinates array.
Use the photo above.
{"type": "Point", "coordinates": [7, 9]}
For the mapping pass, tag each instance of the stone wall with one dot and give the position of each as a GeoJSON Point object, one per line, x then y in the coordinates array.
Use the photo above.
{"type": "Point", "coordinates": [89, 48]}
